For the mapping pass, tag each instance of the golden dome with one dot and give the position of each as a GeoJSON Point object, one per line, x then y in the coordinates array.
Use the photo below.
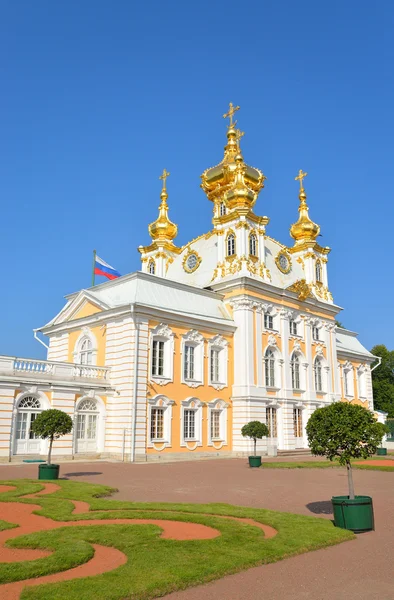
{"type": "Point", "coordinates": [240, 195]}
{"type": "Point", "coordinates": [163, 229]}
{"type": "Point", "coordinates": [304, 230]}
{"type": "Point", "coordinates": [216, 181]}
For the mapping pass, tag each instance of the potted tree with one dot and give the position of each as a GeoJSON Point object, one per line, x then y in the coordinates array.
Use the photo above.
{"type": "Point", "coordinates": [255, 430]}
{"type": "Point", "coordinates": [344, 432]}
{"type": "Point", "coordinates": [50, 425]}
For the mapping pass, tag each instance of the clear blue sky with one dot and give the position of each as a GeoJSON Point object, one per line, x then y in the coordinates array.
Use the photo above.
{"type": "Point", "coordinates": [98, 96]}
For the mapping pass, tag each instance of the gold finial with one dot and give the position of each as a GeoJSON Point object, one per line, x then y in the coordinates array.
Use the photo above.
{"type": "Point", "coordinates": [238, 135]}
{"type": "Point", "coordinates": [230, 113]}
{"type": "Point", "coordinates": [164, 176]}
{"type": "Point", "coordinates": [300, 178]}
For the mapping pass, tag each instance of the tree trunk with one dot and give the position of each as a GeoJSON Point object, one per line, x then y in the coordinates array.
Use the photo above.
{"type": "Point", "coordinates": [350, 480]}
{"type": "Point", "coordinates": [50, 450]}
{"type": "Point", "coordinates": [255, 442]}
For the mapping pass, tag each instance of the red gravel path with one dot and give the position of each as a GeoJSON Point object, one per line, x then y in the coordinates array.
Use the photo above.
{"type": "Point", "coordinates": [377, 463]}
{"type": "Point", "coordinates": [357, 570]}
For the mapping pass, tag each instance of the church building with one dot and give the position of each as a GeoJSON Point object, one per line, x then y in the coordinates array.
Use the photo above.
{"type": "Point", "coordinates": [169, 362]}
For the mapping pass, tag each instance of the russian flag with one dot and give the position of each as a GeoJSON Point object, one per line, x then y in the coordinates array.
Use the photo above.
{"type": "Point", "coordinates": [104, 269]}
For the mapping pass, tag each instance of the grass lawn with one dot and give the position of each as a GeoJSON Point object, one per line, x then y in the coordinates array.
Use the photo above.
{"type": "Point", "coordinates": [319, 464]}
{"type": "Point", "coordinates": [155, 566]}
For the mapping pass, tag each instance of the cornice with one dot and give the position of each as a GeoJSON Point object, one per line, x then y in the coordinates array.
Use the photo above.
{"type": "Point", "coordinates": [275, 292]}
{"type": "Point", "coordinates": [185, 319]}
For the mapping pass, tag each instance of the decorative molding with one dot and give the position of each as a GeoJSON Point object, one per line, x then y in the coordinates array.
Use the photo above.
{"type": "Point", "coordinates": [193, 336]}
{"type": "Point", "coordinates": [272, 340]}
{"type": "Point", "coordinates": [286, 258]}
{"type": "Point", "coordinates": [188, 254]}
{"type": "Point", "coordinates": [302, 289]}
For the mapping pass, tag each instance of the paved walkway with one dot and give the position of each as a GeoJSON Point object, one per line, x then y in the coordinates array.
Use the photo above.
{"type": "Point", "coordinates": [361, 569]}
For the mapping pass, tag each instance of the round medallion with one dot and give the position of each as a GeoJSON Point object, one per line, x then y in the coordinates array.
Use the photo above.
{"type": "Point", "coordinates": [283, 262]}
{"type": "Point", "coordinates": [191, 262]}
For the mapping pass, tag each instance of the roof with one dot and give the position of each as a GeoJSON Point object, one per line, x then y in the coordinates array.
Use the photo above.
{"type": "Point", "coordinates": [145, 290]}
{"type": "Point", "coordinates": [348, 343]}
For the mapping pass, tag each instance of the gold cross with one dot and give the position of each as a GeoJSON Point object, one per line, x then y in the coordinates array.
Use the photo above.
{"type": "Point", "coordinates": [232, 110]}
{"type": "Point", "coordinates": [239, 134]}
{"type": "Point", "coordinates": [164, 176]}
{"type": "Point", "coordinates": [300, 177]}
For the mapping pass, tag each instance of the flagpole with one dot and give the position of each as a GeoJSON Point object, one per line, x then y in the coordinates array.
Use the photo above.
{"type": "Point", "coordinates": [94, 265]}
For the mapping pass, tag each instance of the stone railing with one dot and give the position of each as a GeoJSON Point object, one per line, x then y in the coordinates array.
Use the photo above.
{"type": "Point", "coordinates": [10, 365]}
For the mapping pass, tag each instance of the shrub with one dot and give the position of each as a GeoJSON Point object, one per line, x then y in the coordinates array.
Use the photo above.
{"type": "Point", "coordinates": [255, 430]}
{"type": "Point", "coordinates": [342, 432]}
{"type": "Point", "coordinates": [52, 424]}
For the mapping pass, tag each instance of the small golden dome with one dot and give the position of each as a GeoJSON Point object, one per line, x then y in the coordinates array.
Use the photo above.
{"type": "Point", "coordinates": [240, 195]}
{"type": "Point", "coordinates": [305, 230]}
{"type": "Point", "coordinates": [163, 229]}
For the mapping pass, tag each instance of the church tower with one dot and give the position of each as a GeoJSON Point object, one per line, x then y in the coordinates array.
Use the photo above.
{"type": "Point", "coordinates": [233, 187]}
{"type": "Point", "coordinates": [308, 252]}
{"type": "Point", "coordinates": [157, 257]}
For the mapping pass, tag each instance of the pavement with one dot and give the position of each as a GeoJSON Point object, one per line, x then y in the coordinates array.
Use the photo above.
{"type": "Point", "coordinates": [361, 569]}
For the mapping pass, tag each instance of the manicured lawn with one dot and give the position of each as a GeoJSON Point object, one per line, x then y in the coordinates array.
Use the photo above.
{"type": "Point", "coordinates": [319, 464]}
{"type": "Point", "coordinates": [155, 566]}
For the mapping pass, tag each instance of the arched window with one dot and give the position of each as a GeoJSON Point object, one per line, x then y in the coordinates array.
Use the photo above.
{"type": "Point", "coordinates": [222, 209]}
{"type": "Point", "coordinates": [253, 244]}
{"type": "Point", "coordinates": [295, 372]}
{"type": "Point", "coordinates": [318, 372]}
{"type": "Point", "coordinates": [27, 411]}
{"type": "Point", "coordinates": [230, 244]}
{"type": "Point", "coordinates": [86, 352]}
{"type": "Point", "coordinates": [86, 429]}
{"type": "Point", "coordinates": [269, 368]}
{"type": "Point", "coordinates": [152, 267]}
{"type": "Point", "coordinates": [318, 271]}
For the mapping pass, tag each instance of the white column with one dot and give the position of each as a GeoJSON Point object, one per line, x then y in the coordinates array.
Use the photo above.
{"type": "Point", "coordinates": [334, 363]}
{"type": "Point", "coordinates": [285, 316]}
{"type": "Point", "coordinates": [243, 346]}
{"type": "Point", "coordinates": [259, 344]}
{"type": "Point", "coordinates": [308, 352]}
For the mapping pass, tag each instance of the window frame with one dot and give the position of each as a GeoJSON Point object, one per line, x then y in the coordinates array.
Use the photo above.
{"type": "Point", "coordinates": [219, 407]}
{"type": "Point", "coordinates": [160, 402]}
{"type": "Point", "coordinates": [295, 371]}
{"type": "Point", "coordinates": [318, 271]}
{"type": "Point", "coordinates": [219, 344]}
{"type": "Point", "coordinates": [316, 333]}
{"type": "Point", "coordinates": [271, 410]}
{"type": "Point", "coordinates": [85, 336]}
{"type": "Point", "coordinates": [193, 339]}
{"type": "Point", "coordinates": [318, 369]}
{"type": "Point", "coordinates": [231, 235]}
{"type": "Point", "coordinates": [270, 368]}
{"type": "Point", "coordinates": [162, 333]}
{"type": "Point", "coordinates": [270, 318]}
{"type": "Point", "coordinates": [253, 244]}
{"type": "Point", "coordinates": [195, 405]}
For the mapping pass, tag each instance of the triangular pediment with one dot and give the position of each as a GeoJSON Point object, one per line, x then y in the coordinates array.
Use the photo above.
{"type": "Point", "coordinates": [82, 305]}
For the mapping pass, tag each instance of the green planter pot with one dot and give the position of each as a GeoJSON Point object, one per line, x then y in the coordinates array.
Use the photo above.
{"type": "Point", "coordinates": [381, 451]}
{"type": "Point", "coordinates": [48, 471]}
{"type": "Point", "coordinates": [254, 461]}
{"type": "Point", "coordinates": [356, 515]}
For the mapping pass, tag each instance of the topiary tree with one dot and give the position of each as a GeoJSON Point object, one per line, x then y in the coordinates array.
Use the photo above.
{"type": "Point", "coordinates": [342, 432]}
{"type": "Point", "coordinates": [255, 430]}
{"type": "Point", "coordinates": [51, 424]}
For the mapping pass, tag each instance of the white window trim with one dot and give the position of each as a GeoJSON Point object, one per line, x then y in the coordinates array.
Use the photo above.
{"type": "Point", "coordinates": [163, 333]}
{"type": "Point", "coordinates": [218, 343]}
{"type": "Point", "coordinates": [300, 330]}
{"type": "Point", "coordinates": [362, 389]}
{"type": "Point", "coordinates": [348, 372]}
{"type": "Point", "coordinates": [195, 339]}
{"type": "Point", "coordinates": [86, 333]}
{"type": "Point", "coordinates": [302, 367]}
{"type": "Point", "coordinates": [278, 362]}
{"type": "Point", "coordinates": [160, 401]}
{"type": "Point", "coordinates": [218, 405]}
{"type": "Point", "coordinates": [196, 405]}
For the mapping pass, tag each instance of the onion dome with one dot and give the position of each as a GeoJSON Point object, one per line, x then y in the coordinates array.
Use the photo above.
{"type": "Point", "coordinates": [163, 229]}
{"type": "Point", "coordinates": [240, 195]}
{"type": "Point", "coordinates": [217, 180]}
{"type": "Point", "coordinates": [304, 230]}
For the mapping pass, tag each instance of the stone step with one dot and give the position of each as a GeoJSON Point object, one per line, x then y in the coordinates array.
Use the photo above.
{"type": "Point", "coordinates": [302, 452]}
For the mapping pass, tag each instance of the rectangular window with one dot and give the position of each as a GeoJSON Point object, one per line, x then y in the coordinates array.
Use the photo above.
{"type": "Point", "coordinates": [81, 427]}
{"type": "Point", "coordinates": [158, 358]}
{"type": "Point", "coordinates": [297, 421]}
{"type": "Point", "coordinates": [157, 424]}
{"type": "Point", "coordinates": [315, 333]}
{"type": "Point", "coordinates": [293, 328]}
{"type": "Point", "coordinates": [346, 382]}
{"type": "Point", "coordinates": [33, 416]}
{"type": "Point", "coordinates": [189, 424]}
{"type": "Point", "coordinates": [215, 424]}
{"type": "Point", "coordinates": [188, 364]}
{"type": "Point", "coordinates": [215, 368]}
{"type": "Point", "coordinates": [268, 321]}
{"type": "Point", "coordinates": [272, 422]}
{"type": "Point", "coordinates": [21, 426]}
